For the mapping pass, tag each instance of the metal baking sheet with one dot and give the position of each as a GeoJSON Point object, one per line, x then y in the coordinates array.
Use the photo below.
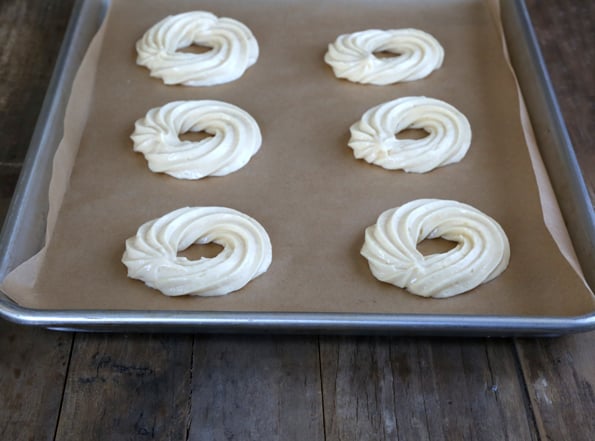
{"type": "Point", "coordinates": [24, 227]}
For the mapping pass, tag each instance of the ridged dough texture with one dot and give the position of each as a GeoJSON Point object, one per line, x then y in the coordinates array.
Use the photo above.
{"type": "Point", "coordinates": [481, 254]}
{"type": "Point", "coordinates": [233, 49]}
{"type": "Point", "coordinates": [151, 255]}
{"type": "Point", "coordinates": [417, 54]}
{"type": "Point", "coordinates": [449, 135]}
{"type": "Point", "coordinates": [235, 138]}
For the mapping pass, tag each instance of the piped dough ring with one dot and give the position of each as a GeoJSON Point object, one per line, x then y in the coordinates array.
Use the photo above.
{"type": "Point", "coordinates": [481, 254]}
{"type": "Point", "coordinates": [235, 138]}
{"type": "Point", "coordinates": [449, 135]}
{"type": "Point", "coordinates": [233, 49]}
{"type": "Point", "coordinates": [151, 255]}
{"type": "Point", "coordinates": [352, 56]}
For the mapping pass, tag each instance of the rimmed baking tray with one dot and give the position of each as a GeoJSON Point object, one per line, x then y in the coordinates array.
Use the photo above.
{"type": "Point", "coordinates": [23, 231]}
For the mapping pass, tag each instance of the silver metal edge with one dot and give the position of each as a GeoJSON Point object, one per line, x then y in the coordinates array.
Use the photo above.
{"type": "Point", "coordinates": [28, 207]}
{"type": "Point", "coordinates": [257, 322]}
{"type": "Point", "coordinates": [551, 134]}
{"type": "Point", "coordinates": [17, 215]}
{"type": "Point", "coordinates": [329, 323]}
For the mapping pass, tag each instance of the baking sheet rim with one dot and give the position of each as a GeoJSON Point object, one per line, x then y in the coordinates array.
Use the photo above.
{"type": "Point", "coordinates": [55, 318]}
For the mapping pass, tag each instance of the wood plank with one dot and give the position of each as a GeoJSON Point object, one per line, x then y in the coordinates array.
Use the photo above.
{"type": "Point", "coordinates": [31, 33]}
{"type": "Point", "coordinates": [422, 389]}
{"type": "Point", "coordinates": [369, 378]}
{"type": "Point", "coordinates": [560, 373]}
{"type": "Point", "coordinates": [256, 388]}
{"type": "Point", "coordinates": [566, 35]}
{"type": "Point", "coordinates": [123, 387]}
{"type": "Point", "coordinates": [8, 180]}
{"type": "Point", "coordinates": [34, 362]}
{"type": "Point", "coordinates": [560, 378]}
{"type": "Point", "coordinates": [33, 366]}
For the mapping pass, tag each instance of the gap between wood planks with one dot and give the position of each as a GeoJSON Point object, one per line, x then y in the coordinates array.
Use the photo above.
{"type": "Point", "coordinates": [72, 339]}
{"type": "Point", "coordinates": [189, 405]}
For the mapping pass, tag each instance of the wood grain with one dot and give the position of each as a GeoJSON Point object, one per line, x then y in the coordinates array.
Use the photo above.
{"type": "Point", "coordinates": [560, 379]}
{"type": "Point", "coordinates": [256, 388]}
{"type": "Point", "coordinates": [560, 373]}
{"type": "Point", "coordinates": [33, 365]}
{"type": "Point", "coordinates": [422, 389]}
{"type": "Point", "coordinates": [33, 362]}
{"type": "Point", "coordinates": [566, 35]}
{"type": "Point", "coordinates": [263, 387]}
{"type": "Point", "coordinates": [31, 33]}
{"type": "Point", "coordinates": [123, 387]}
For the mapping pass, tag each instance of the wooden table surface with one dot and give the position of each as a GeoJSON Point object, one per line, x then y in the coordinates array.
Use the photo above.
{"type": "Point", "coordinates": [66, 386]}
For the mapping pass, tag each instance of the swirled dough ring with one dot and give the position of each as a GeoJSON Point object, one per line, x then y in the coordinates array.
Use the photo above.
{"type": "Point", "coordinates": [352, 56]}
{"type": "Point", "coordinates": [481, 254]}
{"type": "Point", "coordinates": [233, 49]}
{"type": "Point", "coordinates": [449, 135]}
{"type": "Point", "coordinates": [151, 255]}
{"type": "Point", "coordinates": [235, 138]}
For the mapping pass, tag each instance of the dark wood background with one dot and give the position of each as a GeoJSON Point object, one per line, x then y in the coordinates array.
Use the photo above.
{"type": "Point", "coordinates": [67, 386]}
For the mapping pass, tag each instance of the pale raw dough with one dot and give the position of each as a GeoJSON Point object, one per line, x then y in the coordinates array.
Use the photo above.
{"type": "Point", "coordinates": [417, 54]}
{"type": "Point", "coordinates": [151, 255]}
{"type": "Point", "coordinates": [233, 49]}
{"type": "Point", "coordinates": [449, 135]}
{"type": "Point", "coordinates": [481, 254]}
{"type": "Point", "coordinates": [235, 138]}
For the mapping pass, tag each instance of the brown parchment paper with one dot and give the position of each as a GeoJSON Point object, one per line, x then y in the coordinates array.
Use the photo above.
{"type": "Point", "coordinates": [304, 185]}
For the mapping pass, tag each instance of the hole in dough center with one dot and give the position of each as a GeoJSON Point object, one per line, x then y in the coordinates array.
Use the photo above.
{"type": "Point", "coordinates": [386, 54]}
{"type": "Point", "coordinates": [193, 136]}
{"type": "Point", "coordinates": [435, 246]}
{"type": "Point", "coordinates": [197, 251]}
{"type": "Point", "coordinates": [195, 48]}
{"type": "Point", "coordinates": [411, 134]}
